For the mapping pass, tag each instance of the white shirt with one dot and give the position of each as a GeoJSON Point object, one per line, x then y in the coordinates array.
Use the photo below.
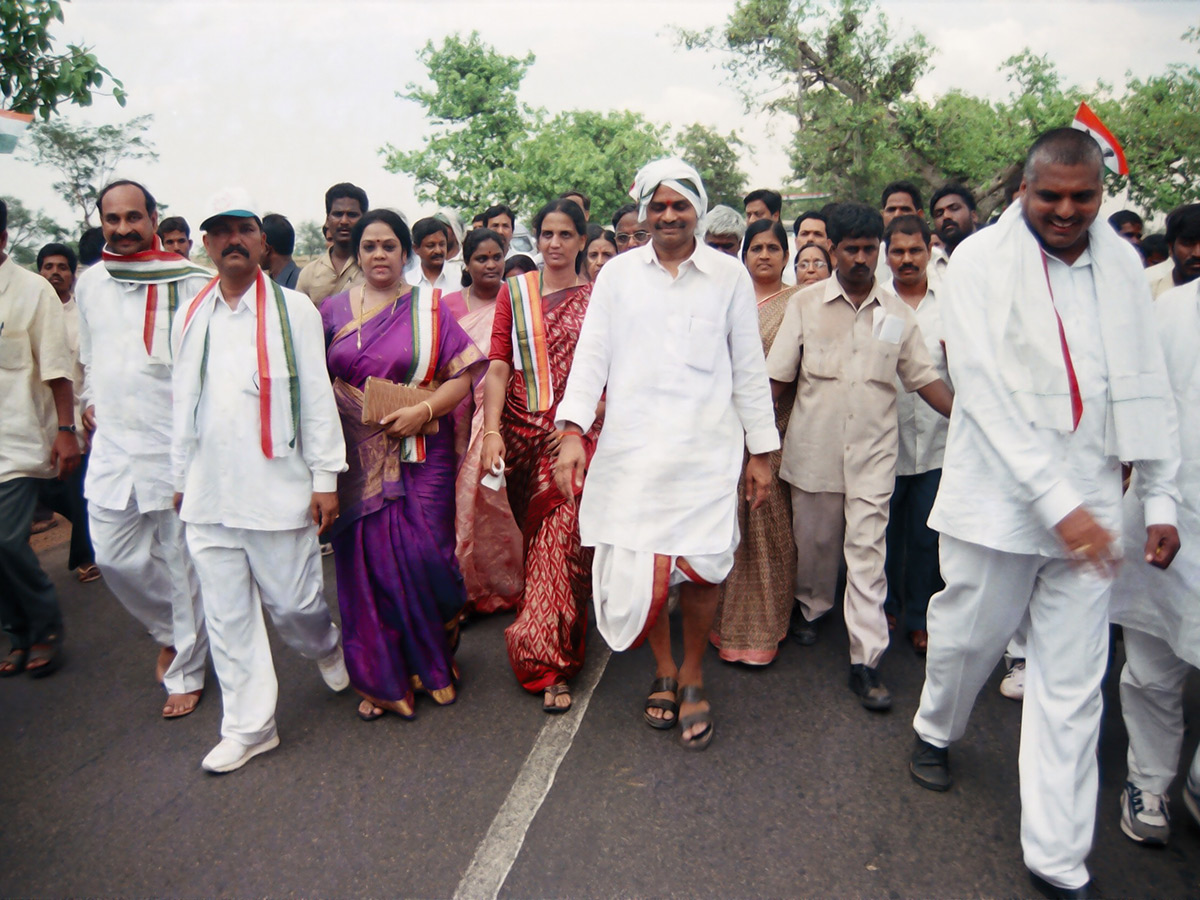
{"type": "Point", "coordinates": [131, 449]}
{"type": "Point", "coordinates": [449, 281]}
{"type": "Point", "coordinates": [33, 351]}
{"type": "Point", "coordinates": [217, 456]}
{"type": "Point", "coordinates": [1166, 603]}
{"type": "Point", "coordinates": [1005, 482]}
{"type": "Point", "coordinates": [922, 429]}
{"type": "Point", "coordinates": [687, 386]}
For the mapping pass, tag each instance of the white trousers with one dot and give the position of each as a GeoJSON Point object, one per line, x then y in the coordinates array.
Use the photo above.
{"type": "Point", "coordinates": [239, 567]}
{"type": "Point", "coordinates": [988, 594]}
{"type": "Point", "coordinates": [146, 565]}
{"type": "Point", "coordinates": [1152, 705]}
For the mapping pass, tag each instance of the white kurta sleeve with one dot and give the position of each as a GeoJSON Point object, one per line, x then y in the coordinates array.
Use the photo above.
{"type": "Point", "coordinates": [321, 439]}
{"type": "Point", "coordinates": [982, 396]}
{"type": "Point", "coordinates": [1156, 484]}
{"type": "Point", "coordinates": [590, 365]}
{"type": "Point", "coordinates": [751, 388]}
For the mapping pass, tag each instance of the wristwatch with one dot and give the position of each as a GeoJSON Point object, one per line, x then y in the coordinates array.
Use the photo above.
{"type": "Point", "coordinates": [70, 428]}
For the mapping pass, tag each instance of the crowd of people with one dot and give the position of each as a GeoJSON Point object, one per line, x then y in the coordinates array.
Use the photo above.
{"type": "Point", "coordinates": [692, 407]}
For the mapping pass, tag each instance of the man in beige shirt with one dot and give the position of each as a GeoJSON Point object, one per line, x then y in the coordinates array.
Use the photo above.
{"type": "Point", "coordinates": [336, 269]}
{"type": "Point", "coordinates": [847, 340]}
{"type": "Point", "coordinates": [37, 441]}
{"type": "Point", "coordinates": [1183, 243]}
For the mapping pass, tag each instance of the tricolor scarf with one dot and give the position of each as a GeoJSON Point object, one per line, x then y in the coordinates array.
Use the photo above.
{"type": "Point", "coordinates": [530, 351]}
{"type": "Point", "coordinates": [424, 311]}
{"type": "Point", "coordinates": [278, 380]}
{"type": "Point", "coordinates": [152, 268]}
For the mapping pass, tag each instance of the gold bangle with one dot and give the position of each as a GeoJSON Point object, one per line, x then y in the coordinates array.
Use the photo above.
{"type": "Point", "coordinates": [496, 433]}
{"type": "Point", "coordinates": [430, 408]}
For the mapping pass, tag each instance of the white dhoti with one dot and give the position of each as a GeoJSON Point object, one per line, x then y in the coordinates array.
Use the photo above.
{"type": "Point", "coordinates": [237, 568]}
{"type": "Point", "coordinates": [629, 587]}
{"type": "Point", "coordinates": [988, 595]}
{"type": "Point", "coordinates": [146, 565]}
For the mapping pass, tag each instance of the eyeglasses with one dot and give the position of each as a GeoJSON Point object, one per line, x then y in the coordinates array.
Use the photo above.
{"type": "Point", "coordinates": [812, 265]}
{"type": "Point", "coordinates": [638, 238]}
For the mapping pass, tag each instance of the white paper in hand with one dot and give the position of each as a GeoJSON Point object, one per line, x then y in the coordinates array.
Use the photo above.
{"type": "Point", "coordinates": [494, 480]}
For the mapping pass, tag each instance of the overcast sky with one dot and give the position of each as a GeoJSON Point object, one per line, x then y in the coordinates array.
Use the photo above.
{"type": "Point", "coordinates": [286, 98]}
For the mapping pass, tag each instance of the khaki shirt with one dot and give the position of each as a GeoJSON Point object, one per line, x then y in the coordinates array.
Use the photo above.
{"type": "Point", "coordinates": [842, 436]}
{"type": "Point", "coordinates": [33, 351]}
{"type": "Point", "coordinates": [319, 279]}
{"type": "Point", "coordinates": [1161, 277]}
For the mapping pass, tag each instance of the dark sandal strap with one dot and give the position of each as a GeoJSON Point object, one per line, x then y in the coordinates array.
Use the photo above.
{"type": "Point", "coordinates": [691, 693]}
{"type": "Point", "coordinates": [662, 685]}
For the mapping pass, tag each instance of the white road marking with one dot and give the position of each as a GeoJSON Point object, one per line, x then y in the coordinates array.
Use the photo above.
{"type": "Point", "coordinates": [496, 853]}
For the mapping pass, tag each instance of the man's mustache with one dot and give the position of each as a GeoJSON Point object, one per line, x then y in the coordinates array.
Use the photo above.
{"type": "Point", "coordinates": [234, 248]}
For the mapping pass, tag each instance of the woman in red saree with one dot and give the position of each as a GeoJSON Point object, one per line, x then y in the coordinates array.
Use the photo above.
{"type": "Point", "coordinates": [489, 550]}
{"type": "Point", "coordinates": [536, 327]}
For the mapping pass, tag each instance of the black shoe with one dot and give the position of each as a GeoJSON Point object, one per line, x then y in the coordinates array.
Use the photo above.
{"type": "Point", "coordinates": [1054, 892]}
{"type": "Point", "coordinates": [930, 766]}
{"type": "Point", "coordinates": [865, 682]}
{"type": "Point", "coordinates": [805, 632]}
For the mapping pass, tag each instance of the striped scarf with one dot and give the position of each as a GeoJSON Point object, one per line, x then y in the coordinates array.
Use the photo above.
{"type": "Point", "coordinates": [531, 353]}
{"type": "Point", "coordinates": [278, 380]}
{"type": "Point", "coordinates": [152, 268]}
{"type": "Point", "coordinates": [424, 312]}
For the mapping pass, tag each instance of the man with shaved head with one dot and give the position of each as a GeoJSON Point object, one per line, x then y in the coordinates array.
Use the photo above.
{"type": "Point", "coordinates": [1059, 376]}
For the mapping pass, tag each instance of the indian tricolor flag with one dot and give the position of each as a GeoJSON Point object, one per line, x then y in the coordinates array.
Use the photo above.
{"type": "Point", "coordinates": [1114, 156]}
{"type": "Point", "coordinates": [12, 126]}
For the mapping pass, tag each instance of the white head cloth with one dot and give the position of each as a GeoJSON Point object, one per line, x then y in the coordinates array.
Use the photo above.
{"type": "Point", "coordinates": [675, 174]}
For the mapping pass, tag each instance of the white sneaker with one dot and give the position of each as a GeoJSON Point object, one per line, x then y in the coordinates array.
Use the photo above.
{"type": "Point", "coordinates": [230, 754]}
{"type": "Point", "coordinates": [333, 670]}
{"type": "Point", "coordinates": [1012, 685]}
{"type": "Point", "coordinates": [1144, 816]}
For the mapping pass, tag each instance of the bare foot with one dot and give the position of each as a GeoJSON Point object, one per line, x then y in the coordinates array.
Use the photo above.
{"type": "Point", "coordinates": [368, 711]}
{"type": "Point", "coordinates": [557, 698]}
{"type": "Point", "coordinates": [166, 656]}
{"type": "Point", "coordinates": [181, 704]}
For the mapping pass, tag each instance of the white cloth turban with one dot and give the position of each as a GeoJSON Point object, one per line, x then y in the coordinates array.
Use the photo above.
{"type": "Point", "coordinates": [675, 174]}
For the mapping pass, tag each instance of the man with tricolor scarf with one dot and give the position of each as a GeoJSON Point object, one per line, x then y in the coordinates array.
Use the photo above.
{"type": "Point", "coordinates": [126, 307]}
{"type": "Point", "coordinates": [1059, 377]}
{"type": "Point", "coordinates": [256, 453]}
{"type": "Point", "coordinates": [671, 335]}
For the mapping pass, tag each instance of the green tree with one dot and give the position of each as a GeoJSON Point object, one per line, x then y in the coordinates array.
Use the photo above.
{"type": "Point", "coordinates": [310, 240]}
{"type": "Point", "coordinates": [34, 78]}
{"type": "Point", "coordinates": [85, 157]}
{"type": "Point", "coordinates": [839, 71]}
{"type": "Point", "coordinates": [717, 158]}
{"type": "Point", "coordinates": [597, 153]}
{"type": "Point", "coordinates": [478, 119]}
{"type": "Point", "coordinates": [28, 231]}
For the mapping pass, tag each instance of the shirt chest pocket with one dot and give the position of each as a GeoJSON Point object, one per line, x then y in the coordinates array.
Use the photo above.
{"type": "Point", "coordinates": [883, 357]}
{"type": "Point", "coordinates": [820, 362]}
{"type": "Point", "coordinates": [704, 339]}
{"type": "Point", "coordinates": [15, 352]}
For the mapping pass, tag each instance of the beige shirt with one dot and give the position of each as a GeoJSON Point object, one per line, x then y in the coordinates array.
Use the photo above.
{"type": "Point", "coordinates": [922, 428]}
{"type": "Point", "coordinates": [319, 279]}
{"type": "Point", "coordinates": [1162, 277]}
{"type": "Point", "coordinates": [33, 351]}
{"type": "Point", "coordinates": [71, 322]}
{"type": "Point", "coordinates": [842, 434]}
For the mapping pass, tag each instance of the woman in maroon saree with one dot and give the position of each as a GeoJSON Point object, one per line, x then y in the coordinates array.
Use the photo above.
{"type": "Point", "coordinates": [545, 643]}
{"type": "Point", "coordinates": [399, 587]}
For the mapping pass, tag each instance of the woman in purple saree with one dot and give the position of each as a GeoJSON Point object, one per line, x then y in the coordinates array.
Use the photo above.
{"type": "Point", "coordinates": [399, 587]}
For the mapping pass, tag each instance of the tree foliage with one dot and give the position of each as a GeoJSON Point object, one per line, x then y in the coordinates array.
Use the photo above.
{"type": "Point", "coordinates": [487, 146]}
{"type": "Point", "coordinates": [717, 158]}
{"type": "Point", "coordinates": [85, 156]}
{"type": "Point", "coordinates": [34, 78]}
{"type": "Point", "coordinates": [846, 78]}
{"type": "Point", "coordinates": [28, 231]}
{"type": "Point", "coordinates": [310, 240]}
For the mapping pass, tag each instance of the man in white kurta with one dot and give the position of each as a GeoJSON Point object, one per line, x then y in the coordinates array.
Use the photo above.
{"type": "Point", "coordinates": [1160, 610]}
{"type": "Point", "coordinates": [672, 331]}
{"type": "Point", "coordinates": [124, 344]}
{"type": "Point", "coordinates": [1058, 377]}
{"type": "Point", "coordinates": [37, 441]}
{"type": "Point", "coordinates": [257, 450]}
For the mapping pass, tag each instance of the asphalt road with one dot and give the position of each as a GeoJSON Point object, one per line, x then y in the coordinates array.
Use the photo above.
{"type": "Point", "coordinates": [802, 794]}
